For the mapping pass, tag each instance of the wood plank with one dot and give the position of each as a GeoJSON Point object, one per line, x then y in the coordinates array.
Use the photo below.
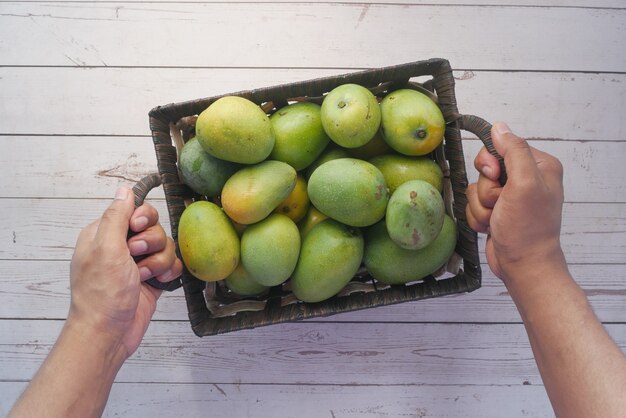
{"type": "Point", "coordinates": [354, 35]}
{"type": "Point", "coordinates": [599, 4]}
{"type": "Point", "coordinates": [306, 352]}
{"type": "Point", "coordinates": [93, 167]}
{"type": "Point", "coordinates": [116, 101]}
{"type": "Point", "coordinates": [46, 229]}
{"type": "Point", "coordinates": [308, 401]}
{"type": "Point", "coordinates": [40, 290]}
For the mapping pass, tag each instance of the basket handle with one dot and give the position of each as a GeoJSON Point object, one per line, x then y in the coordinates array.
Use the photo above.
{"type": "Point", "coordinates": [482, 129]}
{"type": "Point", "coordinates": [141, 190]}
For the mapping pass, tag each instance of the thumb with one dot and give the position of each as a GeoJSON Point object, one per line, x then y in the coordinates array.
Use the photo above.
{"type": "Point", "coordinates": [115, 219]}
{"type": "Point", "coordinates": [518, 158]}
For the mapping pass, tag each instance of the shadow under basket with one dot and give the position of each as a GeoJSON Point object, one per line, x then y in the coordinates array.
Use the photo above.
{"type": "Point", "coordinates": [213, 309]}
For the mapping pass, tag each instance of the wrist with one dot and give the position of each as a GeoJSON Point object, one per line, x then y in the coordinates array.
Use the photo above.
{"type": "Point", "coordinates": [97, 341]}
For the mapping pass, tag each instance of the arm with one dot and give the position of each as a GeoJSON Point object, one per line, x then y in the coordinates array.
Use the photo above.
{"type": "Point", "coordinates": [583, 370]}
{"type": "Point", "coordinates": [109, 312]}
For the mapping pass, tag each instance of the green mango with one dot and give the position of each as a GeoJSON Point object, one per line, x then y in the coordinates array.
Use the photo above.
{"type": "Point", "coordinates": [253, 192]}
{"type": "Point", "coordinates": [202, 172]}
{"type": "Point", "coordinates": [208, 243]}
{"type": "Point", "coordinates": [399, 169]}
{"type": "Point", "coordinates": [242, 283]}
{"type": "Point", "coordinates": [270, 249]}
{"type": "Point", "coordinates": [235, 129]}
{"type": "Point", "coordinates": [414, 214]}
{"type": "Point", "coordinates": [331, 255]}
{"type": "Point", "coordinates": [389, 263]}
{"type": "Point", "coordinates": [350, 191]}
{"type": "Point", "coordinates": [332, 152]}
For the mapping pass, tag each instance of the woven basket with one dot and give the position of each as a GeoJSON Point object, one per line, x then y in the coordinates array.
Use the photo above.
{"type": "Point", "coordinates": [213, 309]}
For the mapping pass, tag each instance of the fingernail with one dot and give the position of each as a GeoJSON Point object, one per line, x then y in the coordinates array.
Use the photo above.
{"type": "Point", "coordinates": [502, 128]}
{"type": "Point", "coordinates": [138, 247]}
{"type": "Point", "coordinates": [144, 273]}
{"type": "Point", "coordinates": [140, 223]}
{"type": "Point", "coordinates": [121, 193]}
{"type": "Point", "coordinates": [487, 171]}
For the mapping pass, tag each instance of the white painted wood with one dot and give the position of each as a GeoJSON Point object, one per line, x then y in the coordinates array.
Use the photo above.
{"type": "Point", "coordinates": [116, 101]}
{"type": "Point", "coordinates": [307, 352]}
{"type": "Point", "coordinates": [328, 35]}
{"type": "Point", "coordinates": [47, 229]}
{"type": "Point", "coordinates": [93, 167]}
{"type": "Point", "coordinates": [40, 290]}
{"type": "Point", "coordinates": [307, 401]}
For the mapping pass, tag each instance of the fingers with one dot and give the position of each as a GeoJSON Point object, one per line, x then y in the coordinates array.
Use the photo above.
{"type": "Point", "coordinates": [149, 241]}
{"type": "Point", "coordinates": [478, 216]}
{"type": "Point", "coordinates": [144, 217]}
{"type": "Point", "coordinates": [516, 152]}
{"type": "Point", "coordinates": [113, 225]}
{"type": "Point", "coordinates": [164, 265]}
{"type": "Point", "coordinates": [487, 164]}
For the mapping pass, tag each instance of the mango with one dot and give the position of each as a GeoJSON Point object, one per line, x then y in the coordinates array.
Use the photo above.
{"type": "Point", "coordinates": [235, 129]}
{"type": "Point", "coordinates": [202, 172]}
{"type": "Point", "coordinates": [389, 263]}
{"type": "Point", "coordinates": [241, 283]}
{"type": "Point", "coordinates": [208, 243]}
{"type": "Point", "coordinates": [295, 206]}
{"type": "Point", "coordinates": [300, 137]}
{"type": "Point", "coordinates": [312, 218]}
{"type": "Point", "coordinates": [330, 256]}
{"type": "Point", "coordinates": [255, 191]}
{"type": "Point", "coordinates": [399, 169]}
{"type": "Point", "coordinates": [411, 122]}
{"type": "Point", "coordinates": [270, 249]}
{"type": "Point", "coordinates": [350, 191]}
{"type": "Point", "coordinates": [373, 148]}
{"type": "Point", "coordinates": [350, 115]}
{"type": "Point", "coordinates": [330, 153]}
{"type": "Point", "coordinates": [414, 214]}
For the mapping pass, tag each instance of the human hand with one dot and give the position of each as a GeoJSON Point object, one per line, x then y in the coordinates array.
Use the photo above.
{"type": "Point", "coordinates": [108, 293]}
{"type": "Point", "coordinates": [523, 218]}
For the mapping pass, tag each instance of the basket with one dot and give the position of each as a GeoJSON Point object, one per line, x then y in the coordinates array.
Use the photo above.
{"type": "Point", "coordinates": [213, 309]}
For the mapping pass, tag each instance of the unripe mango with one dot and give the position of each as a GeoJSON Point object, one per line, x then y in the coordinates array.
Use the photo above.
{"type": "Point", "coordinates": [270, 249]}
{"type": "Point", "coordinates": [389, 263]}
{"type": "Point", "coordinates": [208, 242]}
{"type": "Point", "coordinates": [253, 192]}
{"type": "Point", "coordinates": [350, 191]}
{"type": "Point", "coordinates": [399, 169]}
{"type": "Point", "coordinates": [242, 283]}
{"type": "Point", "coordinates": [330, 256]}
{"type": "Point", "coordinates": [202, 172]}
{"type": "Point", "coordinates": [235, 129]}
{"type": "Point", "coordinates": [414, 214]}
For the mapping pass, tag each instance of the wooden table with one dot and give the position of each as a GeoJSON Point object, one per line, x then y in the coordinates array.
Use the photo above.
{"type": "Point", "coordinates": [77, 79]}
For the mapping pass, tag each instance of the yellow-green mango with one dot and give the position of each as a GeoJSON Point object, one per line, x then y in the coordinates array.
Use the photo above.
{"type": "Point", "coordinates": [270, 249]}
{"type": "Point", "coordinates": [350, 191]}
{"type": "Point", "coordinates": [208, 243]}
{"type": "Point", "coordinates": [253, 192]}
{"type": "Point", "coordinates": [414, 214]}
{"type": "Point", "coordinates": [399, 169]}
{"type": "Point", "coordinates": [389, 263]}
{"type": "Point", "coordinates": [235, 129]}
{"type": "Point", "coordinates": [330, 256]}
{"type": "Point", "coordinates": [242, 283]}
{"type": "Point", "coordinates": [332, 152]}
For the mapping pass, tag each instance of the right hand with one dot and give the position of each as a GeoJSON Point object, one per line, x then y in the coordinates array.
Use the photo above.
{"type": "Point", "coordinates": [523, 218]}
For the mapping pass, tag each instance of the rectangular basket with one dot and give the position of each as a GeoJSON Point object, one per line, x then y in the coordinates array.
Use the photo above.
{"type": "Point", "coordinates": [213, 310]}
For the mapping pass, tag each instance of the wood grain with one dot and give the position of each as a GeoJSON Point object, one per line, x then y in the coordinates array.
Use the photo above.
{"type": "Point", "coordinates": [116, 101]}
{"type": "Point", "coordinates": [313, 401]}
{"type": "Point", "coordinates": [135, 34]}
{"type": "Point", "coordinates": [308, 352]}
{"type": "Point", "coordinates": [40, 290]}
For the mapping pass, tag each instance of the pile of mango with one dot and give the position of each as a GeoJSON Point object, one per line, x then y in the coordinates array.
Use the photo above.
{"type": "Point", "coordinates": [311, 194]}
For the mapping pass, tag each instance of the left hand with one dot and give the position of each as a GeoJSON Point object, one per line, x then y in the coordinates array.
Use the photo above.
{"type": "Point", "coordinates": [108, 293]}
